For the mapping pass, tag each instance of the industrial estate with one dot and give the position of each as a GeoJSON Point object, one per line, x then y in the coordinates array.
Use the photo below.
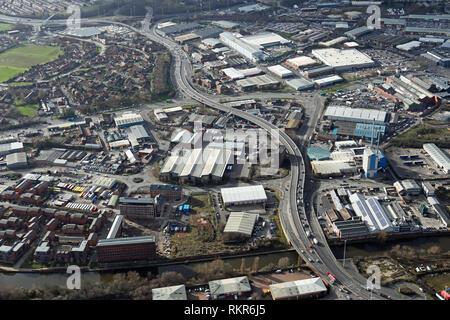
{"type": "Point", "coordinates": [271, 150]}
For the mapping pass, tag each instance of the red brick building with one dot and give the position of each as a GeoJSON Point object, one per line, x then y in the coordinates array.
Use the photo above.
{"type": "Point", "coordinates": [126, 249]}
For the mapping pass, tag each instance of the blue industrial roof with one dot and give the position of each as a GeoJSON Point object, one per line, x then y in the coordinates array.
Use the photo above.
{"type": "Point", "coordinates": [315, 154]}
{"type": "Point", "coordinates": [365, 130]}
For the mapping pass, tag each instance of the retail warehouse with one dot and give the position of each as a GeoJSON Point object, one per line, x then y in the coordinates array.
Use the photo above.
{"type": "Point", "coordinates": [356, 115]}
{"type": "Point", "coordinates": [343, 59]}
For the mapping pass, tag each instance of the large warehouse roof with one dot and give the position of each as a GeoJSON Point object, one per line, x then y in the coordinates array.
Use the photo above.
{"type": "Point", "coordinates": [241, 222]}
{"type": "Point", "coordinates": [438, 156]}
{"type": "Point", "coordinates": [257, 81]}
{"type": "Point", "coordinates": [128, 119]}
{"type": "Point", "coordinates": [170, 293]}
{"type": "Point", "coordinates": [343, 58]}
{"type": "Point", "coordinates": [244, 194]}
{"type": "Point", "coordinates": [280, 71]}
{"type": "Point", "coordinates": [356, 114]}
{"type": "Point", "coordinates": [301, 61]}
{"type": "Point", "coordinates": [266, 39]}
{"type": "Point", "coordinates": [297, 288]}
{"type": "Point", "coordinates": [232, 285]}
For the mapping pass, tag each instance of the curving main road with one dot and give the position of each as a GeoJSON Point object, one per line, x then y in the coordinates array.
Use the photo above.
{"type": "Point", "coordinates": [292, 225]}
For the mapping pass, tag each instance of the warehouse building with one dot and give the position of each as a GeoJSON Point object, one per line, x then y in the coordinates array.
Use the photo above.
{"type": "Point", "coordinates": [250, 51]}
{"type": "Point", "coordinates": [238, 286]}
{"type": "Point", "coordinates": [266, 39]}
{"type": "Point", "coordinates": [343, 59]}
{"type": "Point", "coordinates": [438, 156]}
{"type": "Point", "coordinates": [128, 119]}
{"type": "Point", "coordinates": [16, 160]}
{"type": "Point", "coordinates": [314, 72]}
{"type": "Point", "coordinates": [351, 229]}
{"type": "Point", "coordinates": [333, 168]}
{"type": "Point", "coordinates": [259, 82]}
{"type": "Point", "coordinates": [226, 25]}
{"type": "Point", "coordinates": [300, 62]}
{"type": "Point", "coordinates": [328, 80]}
{"type": "Point", "coordinates": [371, 212]}
{"type": "Point", "coordinates": [174, 29]}
{"type": "Point", "coordinates": [280, 71]}
{"type": "Point", "coordinates": [248, 195]}
{"type": "Point", "coordinates": [241, 224]}
{"type": "Point", "coordinates": [356, 115]}
{"type": "Point", "coordinates": [298, 290]}
{"type": "Point", "coordinates": [11, 147]}
{"type": "Point", "coordinates": [126, 249]}
{"type": "Point", "coordinates": [170, 293]}
{"type": "Point", "coordinates": [355, 33]}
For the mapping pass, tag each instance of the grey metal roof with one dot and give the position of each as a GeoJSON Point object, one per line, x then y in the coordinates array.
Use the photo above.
{"type": "Point", "coordinates": [125, 241]}
{"type": "Point", "coordinates": [170, 293]}
{"type": "Point", "coordinates": [241, 222]}
{"type": "Point", "coordinates": [232, 285]}
{"type": "Point", "coordinates": [297, 288]}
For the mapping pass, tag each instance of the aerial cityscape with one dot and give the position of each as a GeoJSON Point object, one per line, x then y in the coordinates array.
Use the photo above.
{"type": "Point", "coordinates": [224, 150]}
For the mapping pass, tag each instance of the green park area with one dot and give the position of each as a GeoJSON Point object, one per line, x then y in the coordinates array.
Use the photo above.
{"type": "Point", "coordinates": [28, 110]}
{"type": "Point", "coordinates": [5, 27]}
{"type": "Point", "coordinates": [18, 60]}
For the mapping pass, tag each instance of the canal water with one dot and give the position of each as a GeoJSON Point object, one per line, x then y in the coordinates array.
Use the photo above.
{"type": "Point", "coordinates": [34, 280]}
{"type": "Point", "coordinates": [30, 280]}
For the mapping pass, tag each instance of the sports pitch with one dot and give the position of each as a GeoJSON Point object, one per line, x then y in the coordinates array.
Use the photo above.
{"type": "Point", "coordinates": [18, 60]}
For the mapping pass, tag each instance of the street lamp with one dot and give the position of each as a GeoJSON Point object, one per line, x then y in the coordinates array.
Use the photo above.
{"type": "Point", "coordinates": [345, 247]}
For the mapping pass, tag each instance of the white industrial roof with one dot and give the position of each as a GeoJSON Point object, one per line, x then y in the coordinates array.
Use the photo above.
{"type": "Point", "coordinates": [250, 72]}
{"type": "Point", "coordinates": [330, 167]}
{"type": "Point", "coordinates": [232, 285]}
{"type": "Point", "coordinates": [265, 39]}
{"type": "Point", "coordinates": [170, 293]}
{"type": "Point", "coordinates": [339, 58]}
{"type": "Point", "coordinates": [103, 182]}
{"type": "Point", "coordinates": [297, 288]}
{"type": "Point", "coordinates": [166, 24]}
{"type": "Point", "coordinates": [233, 74]}
{"type": "Point", "coordinates": [351, 44]}
{"type": "Point", "coordinates": [356, 114]}
{"type": "Point", "coordinates": [16, 158]}
{"type": "Point", "coordinates": [128, 118]}
{"type": "Point", "coordinates": [299, 83]}
{"type": "Point", "coordinates": [332, 42]}
{"type": "Point", "coordinates": [258, 80]}
{"type": "Point", "coordinates": [11, 146]}
{"type": "Point", "coordinates": [301, 61]}
{"type": "Point", "coordinates": [280, 71]}
{"type": "Point", "coordinates": [328, 80]}
{"type": "Point", "coordinates": [438, 156]}
{"type": "Point", "coordinates": [409, 45]}
{"type": "Point", "coordinates": [243, 194]}
{"type": "Point", "coordinates": [241, 222]}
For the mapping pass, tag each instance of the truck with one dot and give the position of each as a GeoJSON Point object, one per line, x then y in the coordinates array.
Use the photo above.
{"type": "Point", "coordinates": [332, 278]}
{"type": "Point", "coordinates": [315, 241]}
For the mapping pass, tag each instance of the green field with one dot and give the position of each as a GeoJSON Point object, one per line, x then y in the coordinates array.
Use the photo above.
{"type": "Point", "coordinates": [18, 60]}
{"type": "Point", "coordinates": [28, 110]}
{"type": "Point", "coordinates": [5, 27]}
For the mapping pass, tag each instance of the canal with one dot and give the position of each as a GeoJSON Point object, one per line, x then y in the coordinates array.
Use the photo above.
{"type": "Point", "coordinates": [30, 280]}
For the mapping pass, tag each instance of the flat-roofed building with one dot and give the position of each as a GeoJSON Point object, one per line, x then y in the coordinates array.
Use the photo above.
{"type": "Point", "coordinates": [252, 52]}
{"type": "Point", "coordinates": [266, 39]}
{"type": "Point", "coordinates": [126, 249]}
{"type": "Point", "coordinates": [280, 71]}
{"type": "Point", "coordinates": [299, 289]}
{"type": "Point", "coordinates": [168, 192]}
{"type": "Point", "coordinates": [300, 62]}
{"type": "Point", "coordinates": [249, 195]}
{"type": "Point", "coordinates": [259, 82]}
{"type": "Point", "coordinates": [300, 83]}
{"type": "Point", "coordinates": [139, 208]}
{"type": "Point", "coordinates": [329, 168]}
{"type": "Point", "coordinates": [170, 293]}
{"type": "Point", "coordinates": [343, 59]}
{"type": "Point", "coordinates": [328, 80]}
{"type": "Point", "coordinates": [238, 286]}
